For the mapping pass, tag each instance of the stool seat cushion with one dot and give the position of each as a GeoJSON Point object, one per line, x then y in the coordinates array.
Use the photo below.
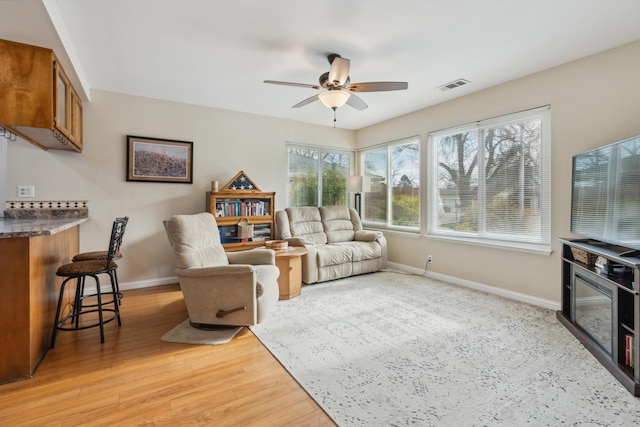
{"type": "Point", "coordinates": [89, 256]}
{"type": "Point", "coordinates": [81, 268]}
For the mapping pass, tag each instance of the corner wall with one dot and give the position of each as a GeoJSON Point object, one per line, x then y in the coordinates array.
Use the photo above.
{"type": "Point", "coordinates": [225, 142]}
{"type": "Point", "coordinates": [594, 101]}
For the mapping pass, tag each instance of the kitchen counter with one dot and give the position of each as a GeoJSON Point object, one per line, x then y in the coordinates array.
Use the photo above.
{"type": "Point", "coordinates": [10, 228]}
{"type": "Point", "coordinates": [31, 250]}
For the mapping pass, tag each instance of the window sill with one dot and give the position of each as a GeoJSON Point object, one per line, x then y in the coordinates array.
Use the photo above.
{"type": "Point", "coordinates": [538, 249]}
{"type": "Point", "coordinates": [401, 231]}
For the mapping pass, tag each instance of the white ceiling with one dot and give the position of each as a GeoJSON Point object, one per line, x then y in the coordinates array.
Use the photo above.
{"type": "Point", "coordinates": [217, 54]}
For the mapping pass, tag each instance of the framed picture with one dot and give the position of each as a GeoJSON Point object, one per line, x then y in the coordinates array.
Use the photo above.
{"type": "Point", "coordinates": [159, 160]}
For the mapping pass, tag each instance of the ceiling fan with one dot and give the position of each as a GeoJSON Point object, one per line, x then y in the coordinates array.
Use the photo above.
{"type": "Point", "coordinates": [336, 89]}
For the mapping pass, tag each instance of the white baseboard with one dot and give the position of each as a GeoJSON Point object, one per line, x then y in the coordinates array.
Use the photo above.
{"type": "Point", "coordinates": [106, 286]}
{"type": "Point", "coordinates": [540, 302]}
{"type": "Point", "coordinates": [149, 283]}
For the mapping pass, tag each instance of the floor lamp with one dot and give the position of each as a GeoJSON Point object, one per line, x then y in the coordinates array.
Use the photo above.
{"type": "Point", "coordinates": [358, 185]}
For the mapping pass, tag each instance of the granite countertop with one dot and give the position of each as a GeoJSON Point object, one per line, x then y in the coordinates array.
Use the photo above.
{"type": "Point", "coordinates": [10, 228]}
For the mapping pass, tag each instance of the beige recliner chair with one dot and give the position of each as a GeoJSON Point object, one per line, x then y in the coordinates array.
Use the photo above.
{"type": "Point", "coordinates": [220, 289]}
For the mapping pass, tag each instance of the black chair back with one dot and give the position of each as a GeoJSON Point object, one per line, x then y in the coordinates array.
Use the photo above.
{"type": "Point", "coordinates": [117, 232]}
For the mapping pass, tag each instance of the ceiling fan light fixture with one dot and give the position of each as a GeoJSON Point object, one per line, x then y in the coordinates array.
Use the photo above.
{"type": "Point", "coordinates": [334, 98]}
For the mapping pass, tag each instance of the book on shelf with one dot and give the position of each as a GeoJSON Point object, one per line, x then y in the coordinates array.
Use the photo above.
{"type": "Point", "coordinates": [228, 234]}
{"type": "Point", "coordinates": [242, 208]}
{"type": "Point", "coordinates": [261, 232]}
{"type": "Point", "coordinates": [628, 351]}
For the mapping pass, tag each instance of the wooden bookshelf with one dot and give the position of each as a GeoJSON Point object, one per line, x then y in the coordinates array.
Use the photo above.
{"type": "Point", "coordinates": [241, 198]}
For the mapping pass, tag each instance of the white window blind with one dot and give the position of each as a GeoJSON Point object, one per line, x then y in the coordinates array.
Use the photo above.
{"type": "Point", "coordinates": [490, 181]}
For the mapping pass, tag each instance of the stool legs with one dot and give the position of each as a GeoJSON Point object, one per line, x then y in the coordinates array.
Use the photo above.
{"type": "Point", "coordinates": [114, 279]}
{"type": "Point", "coordinates": [79, 308]}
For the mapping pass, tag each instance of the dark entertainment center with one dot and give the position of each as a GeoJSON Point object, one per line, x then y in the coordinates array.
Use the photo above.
{"type": "Point", "coordinates": [600, 305]}
{"type": "Point", "coordinates": [601, 272]}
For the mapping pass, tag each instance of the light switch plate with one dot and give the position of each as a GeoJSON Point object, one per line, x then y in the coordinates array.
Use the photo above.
{"type": "Point", "coordinates": [26, 191]}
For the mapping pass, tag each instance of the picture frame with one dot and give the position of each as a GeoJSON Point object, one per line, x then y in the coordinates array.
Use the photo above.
{"type": "Point", "coordinates": [159, 160]}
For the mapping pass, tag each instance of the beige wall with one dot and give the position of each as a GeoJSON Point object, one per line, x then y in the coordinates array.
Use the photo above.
{"type": "Point", "coordinates": [594, 101]}
{"type": "Point", "coordinates": [225, 142]}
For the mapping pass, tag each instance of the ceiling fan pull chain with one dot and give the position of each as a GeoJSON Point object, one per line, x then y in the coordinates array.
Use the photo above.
{"type": "Point", "coordinates": [334, 117]}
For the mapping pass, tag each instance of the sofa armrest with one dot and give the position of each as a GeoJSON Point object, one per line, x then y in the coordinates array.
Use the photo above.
{"type": "Point", "coordinates": [367, 235]}
{"type": "Point", "coordinates": [253, 257]}
{"type": "Point", "coordinates": [374, 236]}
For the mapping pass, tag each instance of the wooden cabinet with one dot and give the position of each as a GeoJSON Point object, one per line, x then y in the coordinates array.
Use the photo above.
{"type": "Point", "coordinates": [241, 198]}
{"type": "Point", "coordinates": [37, 101]}
{"type": "Point", "coordinates": [601, 305]}
{"type": "Point", "coordinates": [289, 262]}
{"type": "Point", "coordinates": [30, 287]}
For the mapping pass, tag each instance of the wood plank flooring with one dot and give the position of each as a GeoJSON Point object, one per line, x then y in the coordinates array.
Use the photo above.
{"type": "Point", "coordinates": [134, 378]}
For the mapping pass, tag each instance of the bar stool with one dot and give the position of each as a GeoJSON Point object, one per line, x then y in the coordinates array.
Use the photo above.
{"type": "Point", "coordinates": [102, 255]}
{"type": "Point", "coordinates": [80, 270]}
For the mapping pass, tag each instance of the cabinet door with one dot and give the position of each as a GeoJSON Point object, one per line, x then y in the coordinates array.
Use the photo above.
{"type": "Point", "coordinates": [62, 101]}
{"type": "Point", "coordinates": [76, 119]}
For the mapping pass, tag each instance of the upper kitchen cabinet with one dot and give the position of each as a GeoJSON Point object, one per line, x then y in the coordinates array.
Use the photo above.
{"type": "Point", "coordinates": [37, 100]}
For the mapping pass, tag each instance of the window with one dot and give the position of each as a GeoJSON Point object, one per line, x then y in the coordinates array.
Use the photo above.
{"type": "Point", "coordinates": [394, 173]}
{"type": "Point", "coordinates": [317, 176]}
{"type": "Point", "coordinates": [490, 181]}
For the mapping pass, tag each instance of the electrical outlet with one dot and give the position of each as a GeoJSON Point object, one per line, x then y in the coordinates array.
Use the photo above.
{"type": "Point", "coordinates": [429, 259]}
{"type": "Point", "coordinates": [26, 191]}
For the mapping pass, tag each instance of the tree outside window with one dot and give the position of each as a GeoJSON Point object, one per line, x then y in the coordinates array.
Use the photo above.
{"type": "Point", "coordinates": [394, 197]}
{"type": "Point", "coordinates": [317, 177]}
{"type": "Point", "coordinates": [490, 181]}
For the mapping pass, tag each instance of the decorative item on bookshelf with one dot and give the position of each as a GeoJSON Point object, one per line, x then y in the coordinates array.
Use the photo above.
{"type": "Point", "coordinates": [245, 228]}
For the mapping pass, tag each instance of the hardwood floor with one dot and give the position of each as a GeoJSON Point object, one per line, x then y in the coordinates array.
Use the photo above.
{"type": "Point", "coordinates": [134, 378]}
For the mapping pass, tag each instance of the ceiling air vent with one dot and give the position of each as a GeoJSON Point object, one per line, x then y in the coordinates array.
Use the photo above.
{"type": "Point", "coordinates": [452, 85]}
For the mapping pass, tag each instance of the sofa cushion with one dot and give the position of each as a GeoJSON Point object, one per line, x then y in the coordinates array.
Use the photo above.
{"type": "Point", "coordinates": [332, 272]}
{"type": "Point", "coordinates": [337, 223]}
{"type": "Point", "coordinates": [367, 235]}
{"type": "Point", "coordinates": [306, 223]}
{"type": "Point", "coordinates": [361, 251]}
{"type": "Point", "coordinates": [334, 255]}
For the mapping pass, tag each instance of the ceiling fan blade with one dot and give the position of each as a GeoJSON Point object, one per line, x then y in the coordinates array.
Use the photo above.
{"type": "Point", "coordinates": [356, 103]}
{"type": "Point", "coordinates": [306, 101]}
{"type": "Point", "coordinates": [274, 82]}
{"type": "Point", "coordinates": [339, 70]}
{"type": "Point", "coordinates": [377, 86]}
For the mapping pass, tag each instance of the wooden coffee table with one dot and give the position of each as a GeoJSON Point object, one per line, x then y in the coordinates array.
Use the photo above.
{"type": "Point", "coordinates": [289, 262]}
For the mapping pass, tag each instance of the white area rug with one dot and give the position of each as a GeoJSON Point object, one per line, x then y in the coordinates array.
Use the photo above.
{"type": "Point", "coordinates": [388, 349]}
{"type": "Point", "coordinates": [185, 333]}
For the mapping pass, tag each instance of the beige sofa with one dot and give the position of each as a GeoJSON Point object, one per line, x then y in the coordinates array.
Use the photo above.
{"type": "Point", "coordinates": [336, 243]}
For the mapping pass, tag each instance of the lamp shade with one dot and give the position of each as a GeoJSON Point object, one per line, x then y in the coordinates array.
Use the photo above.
{"type": "Point", "coordinates": [334, 98]}
{"type": "Point", "coordinates": [358, 184]}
